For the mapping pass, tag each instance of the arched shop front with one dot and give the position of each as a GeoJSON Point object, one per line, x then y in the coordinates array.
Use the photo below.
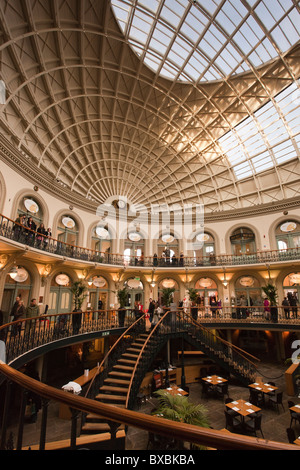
{"type": "Point", "coordinates": [98, 293]}
{"type": "Point", "coordinates": [60, 298]}
{"type": "Point", "coordinates": [207, 289]}
{"type": "Point", "coordinates": [18, 283]}
{"type": "Point", "coordinates": [135, 289]}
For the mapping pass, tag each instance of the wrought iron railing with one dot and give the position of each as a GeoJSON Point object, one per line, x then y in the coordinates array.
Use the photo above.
{"type": "Point", "coordinates": [178, 323]}
{"type": "Point", "coordinates": [12, 230]}
{"type": "Point", "coordinates": [24, 335]}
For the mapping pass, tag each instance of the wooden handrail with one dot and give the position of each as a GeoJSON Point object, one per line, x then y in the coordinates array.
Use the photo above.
{"type": "Point", "coordinates": [101, 365]}
{"type": "Point", "coordinates": [140, 354]}
{"type": "Point", "coordinates": [181, 431]}
{"type": "Point", "coordinates": [232, 346]}
{"type": "Point", "coordinates": [152, 332]}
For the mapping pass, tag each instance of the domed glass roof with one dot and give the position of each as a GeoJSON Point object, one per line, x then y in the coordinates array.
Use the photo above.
{"type": "Point", "coordinates": [155, 101]}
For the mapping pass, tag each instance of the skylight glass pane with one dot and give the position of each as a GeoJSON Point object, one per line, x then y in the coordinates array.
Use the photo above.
{"type": "Point", "coordinates": [243, 170]}
{"type": "Point", "coordinates": [211, 24]}
{"type": "Point", "coordinates": [264, 14]}
{"type": "Point", "coordinates": [210, 5]}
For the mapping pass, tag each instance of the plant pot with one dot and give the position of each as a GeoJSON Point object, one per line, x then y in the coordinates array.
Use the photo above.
{"type": "Point", "coordinates": [76, 320]}
{"type": "Point", "coordinates": [121, 316]}
{"type": "Point", "coordinates": [274, 314]}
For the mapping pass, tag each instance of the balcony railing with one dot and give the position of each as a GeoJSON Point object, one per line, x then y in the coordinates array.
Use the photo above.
{"type": "Point", "coordinates": [11, 230]}
{"type": "Point", "coordinates": [216, 439]}
{"type": "Point", "coordinates": [24, 335]}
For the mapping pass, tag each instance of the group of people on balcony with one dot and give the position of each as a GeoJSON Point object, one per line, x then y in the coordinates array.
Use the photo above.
{"type": "Point", "coordinates": [19, 312]}
{"type": "Point", "coordinates": [25, 229]}
{"type": "Point", "coordinates": [290, 304]}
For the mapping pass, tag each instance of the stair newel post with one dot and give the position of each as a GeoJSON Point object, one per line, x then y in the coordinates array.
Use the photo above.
{"type": "Point", "coordinates": [167, 381]}
{"type": "Point", "coordinates": [113, 433]}
{"type": "Point", "coordinates": [45, 404]}
{"type": "Point", "coordinates": [75, 414]}
{"type": "Point", "coordinates": [22, 418]}
{"type": "Point", "coordinates": [5, 414]}
{"type": "Point", "coordinates": [182, 364]}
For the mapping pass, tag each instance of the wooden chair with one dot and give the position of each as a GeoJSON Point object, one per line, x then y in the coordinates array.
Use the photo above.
{"type": "Point", "coordinates": [232, 422]}
{"type": "Point", "coordinates": [254, 425]}
{"type": "Point", "coordinates": [294, 416]}
{"type": "Point", "coordinates": [291, 435]}
{"type": "Point", "coordinates": [276, 400]}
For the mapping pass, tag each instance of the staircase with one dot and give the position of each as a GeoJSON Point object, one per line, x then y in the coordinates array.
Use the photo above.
{"type": "Point", "coordinates": [115, 387]}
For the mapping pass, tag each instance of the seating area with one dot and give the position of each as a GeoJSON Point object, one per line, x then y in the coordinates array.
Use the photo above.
{"type": "Point", "coordinates": [274, 420]}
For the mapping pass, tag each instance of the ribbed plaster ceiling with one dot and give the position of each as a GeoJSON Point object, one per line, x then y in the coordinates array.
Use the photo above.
{"type": "Point", "coordinates": [161, 102]}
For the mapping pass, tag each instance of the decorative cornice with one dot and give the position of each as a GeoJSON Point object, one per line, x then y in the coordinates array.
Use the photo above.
{"type": "Point", "coordinates": [15, 160]}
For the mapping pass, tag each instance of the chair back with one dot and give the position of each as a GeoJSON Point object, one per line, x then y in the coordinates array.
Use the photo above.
{"type": "Point", "coordinates": [291, 435]}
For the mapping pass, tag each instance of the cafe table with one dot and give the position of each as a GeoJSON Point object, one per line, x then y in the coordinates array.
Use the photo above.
{"type": "Point", "coordinates": [243, 408]}
{"type": "Point", "coordinates": [295, 408]}
{"type": "Point", "coordinates": [174, 390]}
{"type": "Point", "coordinates": [214, 379]}
{"type": "Point", "coordinates": [263, 387]}
{"type": "Point", "coordinates": [297, 441]}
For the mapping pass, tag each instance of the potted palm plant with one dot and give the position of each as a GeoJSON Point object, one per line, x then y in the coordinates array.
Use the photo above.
{"type": "Point", "coordinates": [167, 296]}
{"type": "Point", "coordinates": [179, 408]}
{"type": "Point", "coordinates": [122, 295]}
{"type": "Point", "coordinates": [193, 294]}
{"type": "Point", "coordinates": [271, 294]}
{"type": "Point", "coordinates": [78, 290]}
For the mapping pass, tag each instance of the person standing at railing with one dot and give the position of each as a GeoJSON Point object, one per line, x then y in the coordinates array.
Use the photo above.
{"type": "Point", "coordinates": [17, 228]}
{"type": "Point", "coordinates": [286, 308]}
{"type": "Point", "coordinates": [31, 311]}
{"type": "Point", "coordinates": [293, 304]}
{"type": "Point", "coordinates": [19, 312]}
{"type": "Point", "coordinates": [30, 235]}
{"type": "Point", "coordinates": [41, 233]}
{"type": "Point", "coordinates": [267, 309]}
{"type": "Point", "coordinates": [47, 235]}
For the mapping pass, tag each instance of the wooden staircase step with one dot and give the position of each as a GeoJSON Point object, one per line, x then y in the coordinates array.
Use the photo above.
{"type": "Point", "coordinates": [95, 427]}
{"type": "Point", "coordinates": [106, 396]}
{"type": "Point", "coordinates": [116, 373]}
{"type": "Point", "coordinates": [127, 361]}
{"type": "Point", "coordinates": [131, 356]}
{"type": "Point", "coordinates": [111, 388]}
{"type": "Point", "coordinates": [123, 368]}
{"type": "Point", "coordinates": [117, 381]}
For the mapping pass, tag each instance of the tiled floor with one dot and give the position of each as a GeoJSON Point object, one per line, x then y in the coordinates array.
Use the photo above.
{"type": "Point", "coordinates": [274, 424]}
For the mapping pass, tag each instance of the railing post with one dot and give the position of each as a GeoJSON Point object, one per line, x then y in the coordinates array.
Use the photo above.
{"type": "Point", "coordinates": [21, 418]}
{"type": "Point", "coordinates": [45, 404]}
{"type": "Point", "coordinates": [75, 414]}
{"type": "Point", "coordinates": [182, 364]}
{"type": "Point", "coordinates": [5, 414]}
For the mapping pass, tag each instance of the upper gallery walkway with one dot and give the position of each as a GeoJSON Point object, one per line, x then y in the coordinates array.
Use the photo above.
{"type": "Point", "coordinates": [19, 234]}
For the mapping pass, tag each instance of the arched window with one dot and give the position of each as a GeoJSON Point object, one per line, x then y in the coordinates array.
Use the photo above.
{"type": "Point", "coordinates": [67, 230]}
{"type": "Point", "coordinates": [248, 287]}
{"type": "Point", "coordinates": [134, 249]}
{"type": "Point", "coordinates": [204, 249]}
{"type": "Point", "coordinates": [60, 300]}
{"type": "Point", "coordinates": [135, 289]}
{"type": "Point", "coordinates": [98, 293]}
{"type": "Point", "coordinates": [168, 249]}
{"type": "Point", "coordinates": [169, 283]}
{"type": "Point", "coordinates": [18, 285]}
{"type": "Point", "coordinates": [243, 241]}
{"type": "Point", "coordinates": [207, 290]}
{"type": "Point", "coordinates": [291, 286]}
{"type": "Point", "coordinates": [29, 207]}
{"type": "Point", "coordinates": [101, 239]}
{"type": "Point", "coordinates": [287, 235]}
